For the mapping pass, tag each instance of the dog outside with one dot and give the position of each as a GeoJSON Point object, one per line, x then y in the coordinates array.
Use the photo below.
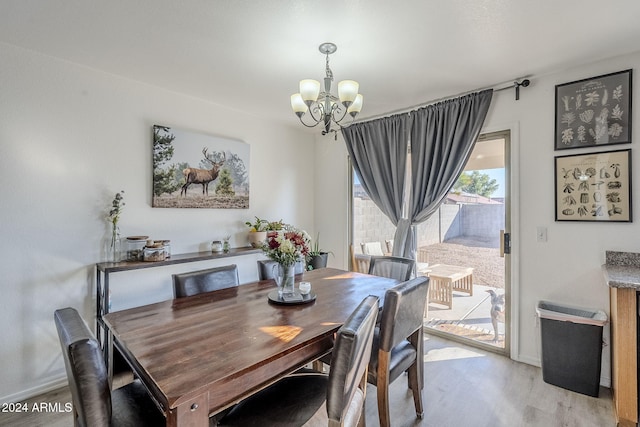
{"type": "Point", "coordinates": [479, 317]}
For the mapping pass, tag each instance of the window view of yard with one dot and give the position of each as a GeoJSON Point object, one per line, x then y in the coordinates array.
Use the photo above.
{"type": "Point", "coordinates": [463, 233]}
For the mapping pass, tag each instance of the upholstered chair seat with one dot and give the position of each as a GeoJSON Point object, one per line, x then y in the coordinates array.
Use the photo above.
{"type": "Point", "coordinates": [402, 357]}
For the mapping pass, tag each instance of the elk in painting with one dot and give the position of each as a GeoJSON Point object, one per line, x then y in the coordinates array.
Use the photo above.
{"type": "Point", "coordinates": [202, 176]}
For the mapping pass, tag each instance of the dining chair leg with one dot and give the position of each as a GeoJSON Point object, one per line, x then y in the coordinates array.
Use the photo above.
{"type": "Point", "coordinates": [382, 388]}
{"type": "Point", "coordinates": [417, 340]}
{"type": "Point", "coordinates": [317, 365]}
{"type": "Point", "coordinates": [363, 386]}
{"type": "Point", "coordinates": [416, 390]}
{"type": "Point", "coordinates": [416, 372]}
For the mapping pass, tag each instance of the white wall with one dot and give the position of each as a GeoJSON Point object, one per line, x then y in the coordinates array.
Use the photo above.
{"type": "Point", "coordinates": [566, 268]}
{"type": "Point", "coordinates": [70, 137]}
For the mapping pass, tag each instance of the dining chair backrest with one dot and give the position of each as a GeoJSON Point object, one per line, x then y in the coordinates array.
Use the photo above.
{"type": "Point", "coordinates": [266, 268]}
{"type": "Point", "coordinates": [402, 312]}
{"type": "Point", "coordinates": [359, 261]}
{"type": "Point", "coordinates": [94, 403]}
{"type": "Point", "coordinates": [393, 267]}
{"type": "Point", "coordinates": [211, 279]}
{"type": "Point", "coordinates": [349, 362]}
{"type": "Point", "coordinates": [86, 370]}
{"type": "Point", "coordinates": [389, 244]}
{"type": "Point", "coordinates": [399, 344]}
{"type": "Point", "coordinates": [372, 248]}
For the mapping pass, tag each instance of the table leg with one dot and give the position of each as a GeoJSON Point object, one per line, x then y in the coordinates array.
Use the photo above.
{"type": "Point", "coordinates": [440, 291]}
{"type": "Point", "coordinates": [194, 413]}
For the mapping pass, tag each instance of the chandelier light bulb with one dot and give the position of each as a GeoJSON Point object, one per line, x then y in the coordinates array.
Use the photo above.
{"type": "Point", "coordinates": [309, 90]}
{"type": "Point", "coordinates": [347, 91]}
{"type": "Point", "coordinates": [355, 108]}
{"type": "Point", "coordinates": [298, 105]}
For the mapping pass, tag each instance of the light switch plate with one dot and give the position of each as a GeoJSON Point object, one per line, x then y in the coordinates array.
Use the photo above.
{"type": "Point", "coordinates": [541, 233]}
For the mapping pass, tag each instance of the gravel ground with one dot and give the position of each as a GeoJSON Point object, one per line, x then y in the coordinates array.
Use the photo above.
{"type": "Point", "coordinates": [488, 266]}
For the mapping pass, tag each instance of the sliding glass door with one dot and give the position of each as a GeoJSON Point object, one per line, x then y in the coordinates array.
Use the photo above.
{"type": "Point", "coordinates": [459, 247]}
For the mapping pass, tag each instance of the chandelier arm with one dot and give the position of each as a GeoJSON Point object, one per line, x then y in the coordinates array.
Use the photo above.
{"type": "Point", "coordinates": [309, 126]}
{"type": "Point", "coordinates": [335, 110]}
{"type": "Point", "coordinates": [316, 120]}
{"type": "Point", "coordinates": [320, 108]}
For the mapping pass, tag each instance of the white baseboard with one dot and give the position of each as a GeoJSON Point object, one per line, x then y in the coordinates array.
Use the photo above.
{"type": "Point", "coordinates": [21, 396]}
{"type": "Point", "coordinates": [534, 361]}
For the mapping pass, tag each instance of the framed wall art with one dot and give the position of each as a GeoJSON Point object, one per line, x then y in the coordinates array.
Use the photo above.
{"type": "Point", "coordinates": [594, 111]}
{"type": "Point", "coordinates": [195, 170]}
{"type": "Point", "coordinates": [594, 187]}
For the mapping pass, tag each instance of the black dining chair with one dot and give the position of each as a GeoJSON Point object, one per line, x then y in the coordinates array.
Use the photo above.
{"type": "Point", "coordinates": [210, 279]}
{"type": "Point", "coordinates": [393, 267]}
{"type": "Point", "coordinates": [314, 398]}
{"type": "Point", "coordinates": [398, 344]}
{"type": "Point", "coordinates": [94, 403]}
{"type": "Point", "coordinates": [266, 268]}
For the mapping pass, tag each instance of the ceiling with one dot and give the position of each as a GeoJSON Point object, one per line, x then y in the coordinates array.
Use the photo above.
{"type": "Point", "coordinates": [249, 55]}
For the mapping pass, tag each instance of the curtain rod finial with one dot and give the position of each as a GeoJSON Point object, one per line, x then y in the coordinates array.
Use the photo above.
{"type": "Point", "coordinates": [523, 83]}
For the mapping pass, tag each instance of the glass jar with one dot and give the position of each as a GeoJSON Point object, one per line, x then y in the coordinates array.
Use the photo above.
{"type": "Point", "coordinates": [305, 287]}
{"type": "Point", "coordinates": [134, 248]}
{"type": "Point", "coordinates": [166, 244]}
{"type": "Point", "coordinates": [154, 253]}
{"type": "Point", "coordinates": [216, 246]}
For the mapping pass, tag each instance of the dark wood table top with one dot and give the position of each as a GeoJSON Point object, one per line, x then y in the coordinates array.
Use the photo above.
{"type": "Point", "coordinates": [211, 350]}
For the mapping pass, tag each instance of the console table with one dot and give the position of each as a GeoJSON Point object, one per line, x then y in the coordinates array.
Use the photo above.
{"type": "Point", "coordinates": [104, 269]}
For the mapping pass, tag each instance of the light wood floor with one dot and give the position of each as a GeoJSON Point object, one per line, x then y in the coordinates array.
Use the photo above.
{"type": "Point", "coordinates": [464, 387]}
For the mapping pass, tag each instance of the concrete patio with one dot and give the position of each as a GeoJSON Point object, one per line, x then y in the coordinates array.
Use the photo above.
{"type": "Point", "coordinates": [469, 316]}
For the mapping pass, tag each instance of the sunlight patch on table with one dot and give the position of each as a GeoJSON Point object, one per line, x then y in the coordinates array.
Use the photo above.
{"type": "Point", "coordinates": [284, 333]}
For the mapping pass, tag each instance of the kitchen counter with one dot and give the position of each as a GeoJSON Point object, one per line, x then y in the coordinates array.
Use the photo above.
{"type": "Point", "coordinates": [622, 275]}
{"type": "Point", "coordinates": [622, 270]}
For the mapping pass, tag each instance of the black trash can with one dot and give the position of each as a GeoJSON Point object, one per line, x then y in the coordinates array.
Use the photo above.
{"type": "Point", "coordinates": [571, 346]}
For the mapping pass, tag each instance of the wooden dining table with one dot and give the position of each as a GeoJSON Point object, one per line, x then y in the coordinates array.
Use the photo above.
{"type": "Point", "coordinates": [200, 355]}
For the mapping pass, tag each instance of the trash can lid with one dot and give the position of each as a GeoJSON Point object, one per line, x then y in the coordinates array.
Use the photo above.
{"type": "Point", "coordinates": [564, 313]}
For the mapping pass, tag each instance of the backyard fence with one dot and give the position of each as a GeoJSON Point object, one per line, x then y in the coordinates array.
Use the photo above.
{"type": "Point", "coordinates": [450, 221]}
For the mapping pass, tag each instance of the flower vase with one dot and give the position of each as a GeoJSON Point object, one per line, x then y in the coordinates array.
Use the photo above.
{"type": "Point", "coordinates": [284, 276]}
{"type": "Point", "coordinates": [114, 249]}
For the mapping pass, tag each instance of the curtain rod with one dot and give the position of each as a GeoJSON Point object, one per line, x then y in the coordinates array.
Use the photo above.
{"type": "Point", "coordinates": [515, 85]}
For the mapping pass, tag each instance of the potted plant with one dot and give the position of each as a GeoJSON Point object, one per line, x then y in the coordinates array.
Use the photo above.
{"type": "Point", "coordinates": [317, 258]}
{"type": "Point", "coordinates": [257, 232]}
{"type": "Point", "coordinates": [274, 227]}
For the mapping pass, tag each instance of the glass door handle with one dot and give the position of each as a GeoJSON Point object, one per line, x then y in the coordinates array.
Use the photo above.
{"type": "Point", "coordinates": [505, 243]}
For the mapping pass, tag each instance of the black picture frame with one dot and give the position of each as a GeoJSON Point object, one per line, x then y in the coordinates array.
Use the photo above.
{"type": "Point", "coordinates": [594, 111]}
{"type": "Point", "coordinates": [594, 187]}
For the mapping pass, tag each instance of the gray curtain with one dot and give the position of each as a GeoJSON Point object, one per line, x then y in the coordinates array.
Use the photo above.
{"type": "Point", "coordinates": [378, 151]}
{"type": "Point", "coordinates": [442, 138]}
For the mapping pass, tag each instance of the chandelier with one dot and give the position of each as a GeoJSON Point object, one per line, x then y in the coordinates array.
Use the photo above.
{"type": "Point", "coordinates": [323, 106]}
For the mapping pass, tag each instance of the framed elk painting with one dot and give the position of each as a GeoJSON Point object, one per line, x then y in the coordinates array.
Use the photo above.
{"type": "Point", "coordinates": [594, 187]}
{"type": "Point", "coordinates": [195, 170]}
{"type": "Point", "coordinates": [594, 111]}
